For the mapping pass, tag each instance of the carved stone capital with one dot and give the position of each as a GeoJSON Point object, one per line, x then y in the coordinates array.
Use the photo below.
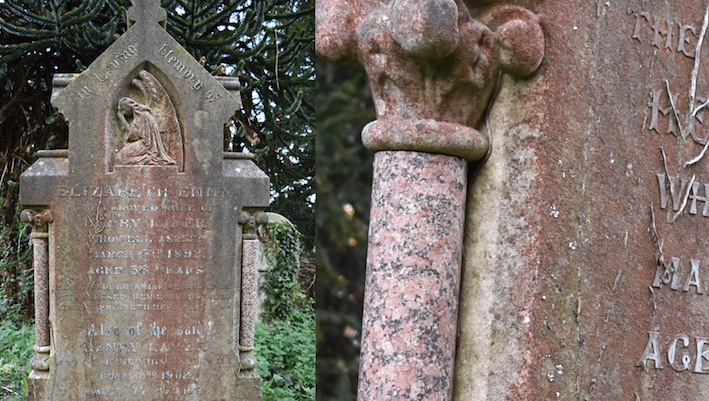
{"type": "Point", "coordinates": [250, 222]}
{"type": "Point", "coordinates": [432, 68]}
{"type": "Point", "coordinates": [39, 220]}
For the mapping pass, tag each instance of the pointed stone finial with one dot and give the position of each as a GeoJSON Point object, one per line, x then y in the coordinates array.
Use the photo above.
{"type": "Point", "coordinates": [146, 12]}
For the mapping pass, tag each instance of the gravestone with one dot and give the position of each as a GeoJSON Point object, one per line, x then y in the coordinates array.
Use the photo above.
{"type": "Point", "coordinates": [585, 258]}
{"type": "Point", "coordinates": [144, 231]}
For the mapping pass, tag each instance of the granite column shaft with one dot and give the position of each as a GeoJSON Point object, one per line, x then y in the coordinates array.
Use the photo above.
{"type": "Point", "coordinates": [40, 244]}
{"type": "Point", "coordinates": [251, 249]}
{"type": "Point", "coordinates": [250, 258]}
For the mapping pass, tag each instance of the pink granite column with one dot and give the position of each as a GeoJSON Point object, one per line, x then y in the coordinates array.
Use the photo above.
{"type": "Point", "coordinates": [433, 70]}
{"type": "Point", "coordinates": [250, 257]}
{"type": "Point", "coordinates": [40, 243]}
{"type": "Point", "coordinates": [413, 274]}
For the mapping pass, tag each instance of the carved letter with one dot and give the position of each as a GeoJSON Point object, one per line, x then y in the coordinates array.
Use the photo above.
{"type": "Point", "coordinates": [694, 196]}
{"type": "Point", "coordinates": [684, 38]}
{"type": "Point", "coordinates": [656, 110]}
{"type": "Point", "coordinates": [702, 355]}
{"type": "Point", "coordinates": [652, 351]}
{"type": "Point", "coordinates": [657, 27]}
{"type": "Point", "coordinates": [674, 192]}
{"type": "Point", "coordinates": [637, 24]}
{"type": "Point", "coordinates": [693, 278]}
{"type": "Point", "coordinates": [672, 350]}
{"type": "Point", "coordinates": [670, 271]}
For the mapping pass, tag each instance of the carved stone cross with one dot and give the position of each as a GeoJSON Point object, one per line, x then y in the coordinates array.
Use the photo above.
{"type": "Point", "coordinates": [146, 12]}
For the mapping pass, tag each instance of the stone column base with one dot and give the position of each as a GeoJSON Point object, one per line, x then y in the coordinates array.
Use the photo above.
{"type": "Point", "coordinates": [38, 388]}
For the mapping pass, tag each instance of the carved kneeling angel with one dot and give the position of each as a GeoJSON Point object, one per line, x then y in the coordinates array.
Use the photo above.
{"type": "Point", "coordinates": [143, 144]}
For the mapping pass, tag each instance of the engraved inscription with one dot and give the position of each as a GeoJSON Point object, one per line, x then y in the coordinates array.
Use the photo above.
{"type": "Point", "coordinates": [663, 120]}
{"type": "Point", "coordinates": [180, 66]}
{"type": "Point", "coordinates": [668, 273]}
{"type": "Point", "coordinates": [675, 189]}
{"type": "Point", "coordinates": [665, 33]}
{"type": "Point", "coordinates": [118, 58]}
{"type": "Point", "coordinates": [84, 92]}
{"type": "Point", "coordinates": [95, 191]}
{"type": "Point", "coordinates": [185, 73]}
{"type": "Point", "coordinates": [678, 111]}
{"type": "Point", "coordinates": [146, 252]}
{"type": "Point", "coordinates": [683, 353]}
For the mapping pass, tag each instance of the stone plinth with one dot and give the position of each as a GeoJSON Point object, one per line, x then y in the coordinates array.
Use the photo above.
{"type": "Point", "coordinates": [148, 263]}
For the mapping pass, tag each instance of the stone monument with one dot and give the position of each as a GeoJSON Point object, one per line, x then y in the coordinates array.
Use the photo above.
{"type": "Point", "coordinates": [144, 231]}
{"type": "Point", "coordinates": [584, 273]}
